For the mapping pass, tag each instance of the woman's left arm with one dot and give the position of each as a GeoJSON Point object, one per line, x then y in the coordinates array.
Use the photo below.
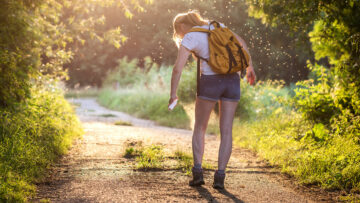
{"type": "Point", "coordinates": [250, 73]}
{"type": "Point", "coordinates": [181, 59]}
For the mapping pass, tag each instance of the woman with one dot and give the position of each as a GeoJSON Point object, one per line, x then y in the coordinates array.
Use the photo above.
{"type": "Point", "coordinates": [213, 87]}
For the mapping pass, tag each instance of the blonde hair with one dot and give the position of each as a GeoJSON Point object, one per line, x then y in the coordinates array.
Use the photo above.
{"type": "Point", "coordinates": [192, 18]}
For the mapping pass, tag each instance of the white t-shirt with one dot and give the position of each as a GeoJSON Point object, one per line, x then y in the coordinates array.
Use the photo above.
{"type": "Point", "coordinates": [198, 43]}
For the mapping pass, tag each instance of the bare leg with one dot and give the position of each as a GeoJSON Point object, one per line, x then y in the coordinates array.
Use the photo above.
{"type": "Point", "coordinates": [227, 112]}
{"type": "Point", "coordinates": [203, 109]}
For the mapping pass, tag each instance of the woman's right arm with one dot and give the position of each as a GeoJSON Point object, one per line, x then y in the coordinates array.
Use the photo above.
{"type": "Point", "coordinates": [181, 59]}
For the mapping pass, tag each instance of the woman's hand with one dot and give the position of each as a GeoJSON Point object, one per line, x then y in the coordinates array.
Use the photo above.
{"type": "Point", "coordinates": [250, 75]}
{"type": "Point", "coordinates": [181, 59]}
{"type": "Point", "coordinates": [172, 99]}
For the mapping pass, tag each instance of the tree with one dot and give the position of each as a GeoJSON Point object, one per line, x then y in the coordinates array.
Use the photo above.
{"type": "Point", "coordinates": [333, 28]}
{"type": "Point", "coordinates": [149, 33]}
{"type": "Point", "coordinates": [35, 39]}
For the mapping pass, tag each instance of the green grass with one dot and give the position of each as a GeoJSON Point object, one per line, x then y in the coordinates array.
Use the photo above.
{"type": "Point", "coordinates": [144, 92]}
{"type": "Point", "coordinates": [151, 157]}
{"type": "Point", "coordinates": [45, 201]}
{"type": "Point", "coordinates": [285, 140]}
{"type": "Point", "coordinates": [130, 152]}
{"type": "Point", "coordinates": [123, 123]}
{"type": "Point", "coordinates": [32, 137]}
{"type": "Point", "coordinates": [184, 161]}
{"type": "Point", "coordinates": [133, 149]}
{"type": "Point", "coordinates": [353, 198]}
{"type": "Point", "coordinates": [154, 157]}
{"type": "Point", "coordinates": [145, 104]}
{"type": "Point", "coordinates": [108, 115]}
{"type": "Point", "coordinates": [146, 157]}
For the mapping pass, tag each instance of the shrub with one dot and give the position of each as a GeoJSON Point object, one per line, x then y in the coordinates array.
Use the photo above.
{"type": "Point", "coordinates": [32, 136]}
{"type": "Point", "coordinates": [314, 98]}
{"type": "Point", "coordinates": [311, 152]}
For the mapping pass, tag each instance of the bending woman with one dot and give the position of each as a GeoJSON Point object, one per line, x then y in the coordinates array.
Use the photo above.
{"type": "Point", "coordinates": [213, 87]}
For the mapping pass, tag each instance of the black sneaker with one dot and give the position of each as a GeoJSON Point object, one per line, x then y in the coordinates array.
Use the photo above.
{"type": "Point", "coordinates": [198, 177]}
{"type": "Point", "coordinates": [218, 180]}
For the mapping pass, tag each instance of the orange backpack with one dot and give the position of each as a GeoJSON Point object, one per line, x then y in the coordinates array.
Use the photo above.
{"type": "Point", "coordinates": [226, 53]}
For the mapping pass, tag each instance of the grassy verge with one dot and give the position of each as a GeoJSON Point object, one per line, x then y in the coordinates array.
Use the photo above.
{"type": "Point", "coordinates": [144, 92]}
{"type": "Point", "coordinates": [32, 137]}
{"type": "Point", "coordinates": [288, 141]}
{"type": "Point", "coordinates": [145, 104]}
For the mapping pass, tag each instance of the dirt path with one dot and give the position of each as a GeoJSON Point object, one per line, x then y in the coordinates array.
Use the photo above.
{"type": "Point", "coordinates": [96, 171]}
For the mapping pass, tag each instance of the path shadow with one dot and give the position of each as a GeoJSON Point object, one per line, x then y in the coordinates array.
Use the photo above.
{"type": "Point", "coordinates": [50, 188]}
{"type": "Point", "coordinates": [230, 195]}
{"type": "Point", "coordinates": [208, 196]}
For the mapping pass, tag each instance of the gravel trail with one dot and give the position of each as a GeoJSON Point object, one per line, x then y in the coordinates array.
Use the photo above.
{"type": "Point", "coordinates": [96, 171]}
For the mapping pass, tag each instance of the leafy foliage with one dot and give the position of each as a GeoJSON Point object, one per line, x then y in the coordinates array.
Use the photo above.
{"type": "Point", "coordinates": [313, 97]}
{"type": "Point", "coordinates": [26, 36]}
{"type": "Point", "coordinates": [36, 38]}
{"type": "Point", "coordinates": [328, 103]}
{"type": "Point", "coordinates": [98, 36]}
{"type": "Point", "coordinates": [32, 136]}
{"type": "Point", "coordinates": [334, 36]}
{"type": "Point", "coordinates": [37, 125]}
{"type": "Point", "coordinates": [149, 33]}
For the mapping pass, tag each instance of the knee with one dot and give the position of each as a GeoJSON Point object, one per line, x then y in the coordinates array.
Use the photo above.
{"type": "Point", "coordinates": [200, 129]}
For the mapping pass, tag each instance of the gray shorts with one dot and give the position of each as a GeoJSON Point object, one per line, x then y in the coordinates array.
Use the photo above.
{"type": "Point", "coordinates": [220, 87]}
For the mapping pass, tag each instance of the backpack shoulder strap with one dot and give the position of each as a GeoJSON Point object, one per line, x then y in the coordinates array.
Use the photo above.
{"type": "Point", "coordinates": [217, 24]}
{"type": "Point", "coordinates": [198, 29]}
